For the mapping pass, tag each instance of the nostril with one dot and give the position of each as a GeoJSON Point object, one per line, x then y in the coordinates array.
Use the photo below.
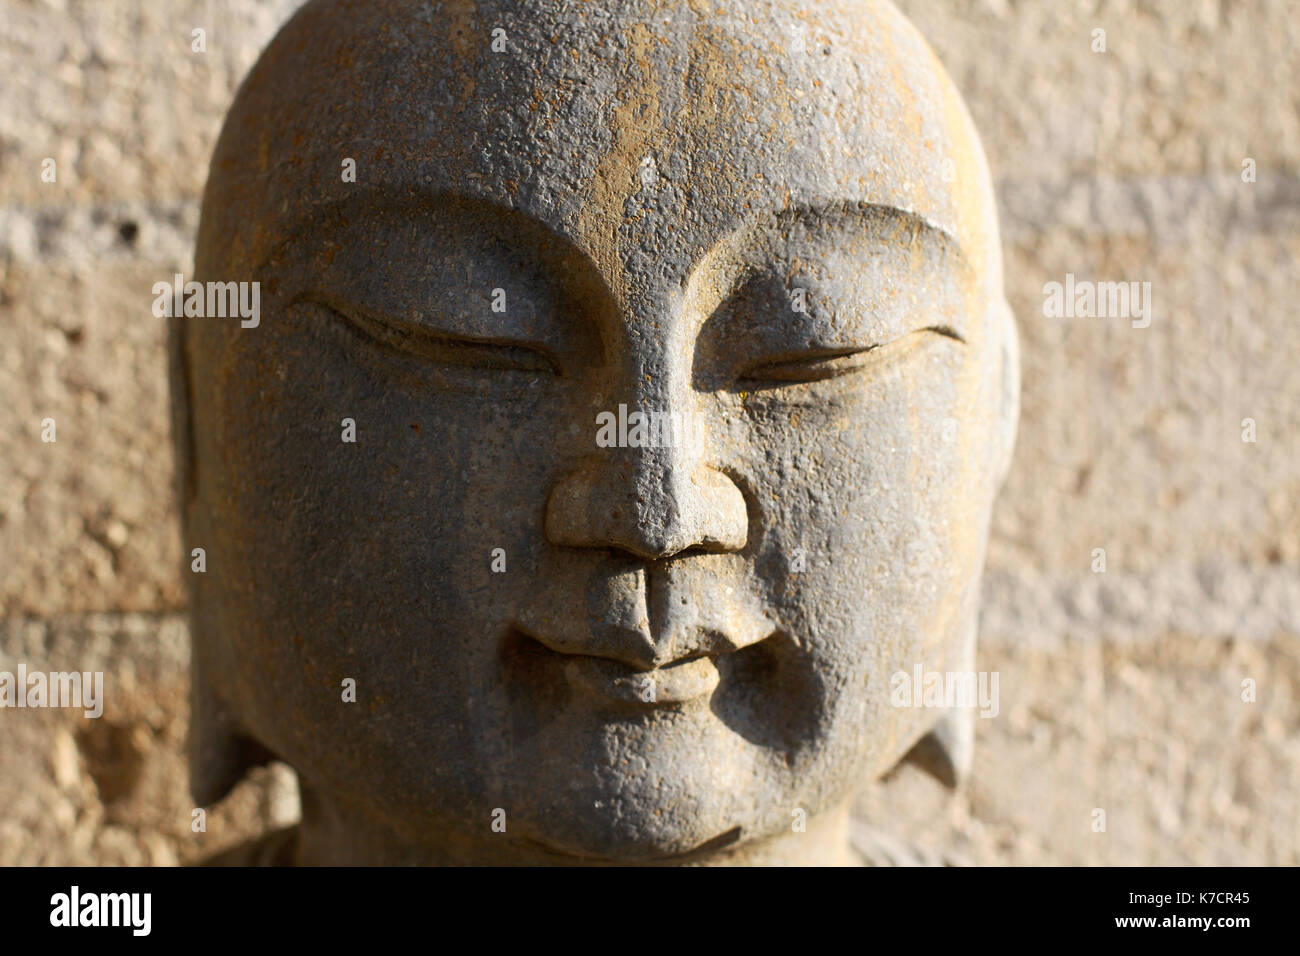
{"type": "Point", "coordinates": [698, 549]}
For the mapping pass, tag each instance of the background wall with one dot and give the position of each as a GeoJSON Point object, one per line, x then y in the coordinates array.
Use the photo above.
{"type": "Point", "coordinates": [1119, 690]}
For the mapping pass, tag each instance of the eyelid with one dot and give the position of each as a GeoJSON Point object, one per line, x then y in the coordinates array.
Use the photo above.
{"type": "Point", "coordinates": [817, 365]}
{"type": "Point", "coordinates": [402, 334]}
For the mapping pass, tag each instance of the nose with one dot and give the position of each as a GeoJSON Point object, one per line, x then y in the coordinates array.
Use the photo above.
{"type": "Point", "coordinates": [649, 502]}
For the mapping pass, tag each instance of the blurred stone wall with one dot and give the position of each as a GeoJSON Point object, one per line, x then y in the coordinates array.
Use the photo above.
{"type": "Point", "coordinates": [1120, 691]}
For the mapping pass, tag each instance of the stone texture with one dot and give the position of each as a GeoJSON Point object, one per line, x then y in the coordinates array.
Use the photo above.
{"type": "Point", "coordinates": [87, 519]}
{"type": "Point", "coordinates": [656, 226]}
{"type": "Point", "coordinates": [1155, 734]}
{"type": "Point", "coordinates": [114, 93]}
{"type": "Point", "coordinates": [114, 790]}
{"type": "Point", "coordinates": [1183, 88]}
{"type": "Point", "coordinates": [1123, 165]}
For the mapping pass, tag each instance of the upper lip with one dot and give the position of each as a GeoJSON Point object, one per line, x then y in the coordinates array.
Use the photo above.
{"type": "Point", "coordinates": [639, 655]}
{"type": "Point", "coordinates": [664, 683]}
{"type": "Point", "coordinates": [649, 618]}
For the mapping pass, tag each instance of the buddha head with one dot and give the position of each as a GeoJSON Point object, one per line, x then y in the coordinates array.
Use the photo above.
{"type": "Point", "coordinates": [630, 393]}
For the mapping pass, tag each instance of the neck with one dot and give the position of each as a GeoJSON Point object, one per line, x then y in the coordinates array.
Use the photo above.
{"type": "Point", "coordinates": [332, 834]}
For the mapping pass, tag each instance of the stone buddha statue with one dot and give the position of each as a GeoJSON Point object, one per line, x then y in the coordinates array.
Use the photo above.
{"type": "Point", "coordinates": [631, 390]}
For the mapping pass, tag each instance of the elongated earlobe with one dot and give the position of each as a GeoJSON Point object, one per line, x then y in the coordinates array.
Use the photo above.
{"type": "Point", "coordinates": [220, 755]}
{"type": "Point", "coordinates": [945, 752]}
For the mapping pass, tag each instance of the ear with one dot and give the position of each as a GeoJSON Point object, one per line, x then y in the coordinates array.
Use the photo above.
{"type": "Point", "coordinates": [945, 753]}
{"type": "Point", "coordinates": [947, 750]}
{"type": "Point", "coordinates": [1009, 388]}
{"type": "Point", "coordinates": [220, 755]}
{"type": "Point", "coordinates": [215, 766]}
{"type": "Point", "coordinates": [178, 373]}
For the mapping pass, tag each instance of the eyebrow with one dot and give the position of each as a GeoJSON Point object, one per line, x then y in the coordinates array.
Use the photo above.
{"type": "Point", "coordinates": [832, 214]}
{"type": "Point", "coordinates": [835, 217]}
{"type": "Point", "coordinates": [733, 252]}
{"type": "Point", "coordinates": [448, 214]}
{"type": "Point", "coordinates": [400, 208]}
{"type": "Point", "coordinates": [736, 254]}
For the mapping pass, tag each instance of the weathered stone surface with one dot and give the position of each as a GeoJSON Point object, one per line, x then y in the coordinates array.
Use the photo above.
{"type": "Point", "coordinates": [1155, 734]}
{"type": "Point", "coordinates": [114, 790]}
{"type": "Point", "coordinates": [1132, 437]}
{"type": "Point", "coordinates": [86, 522]}
{"type": "Point", "coordinates": [1183, 87]}
{"type": "Point", "coordinates": [115, 94]}
{"type": "Point", "coordinates": [685, 657]}
{"type": "Point", "coordinates": [1118, 165]}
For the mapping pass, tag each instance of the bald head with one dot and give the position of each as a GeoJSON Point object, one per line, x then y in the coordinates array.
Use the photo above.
{"type": "Point", "coordinates": [483, 227]}
{"type": "Point", "coordinates": [590, 118]}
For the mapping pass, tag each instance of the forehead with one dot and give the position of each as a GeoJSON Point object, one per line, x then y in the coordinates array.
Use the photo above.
{"type": "Point", "coordinates": [645, 134]}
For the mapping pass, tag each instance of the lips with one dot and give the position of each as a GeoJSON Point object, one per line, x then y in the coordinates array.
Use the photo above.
{"type": "Point", "coordinates": [768, 688]}
{"type": "Point", "coordinates": [693, 676]}
{"type": "Point", "coordinates": [639, 637]}
{"type": "Point", "coordinates": [673, 683]}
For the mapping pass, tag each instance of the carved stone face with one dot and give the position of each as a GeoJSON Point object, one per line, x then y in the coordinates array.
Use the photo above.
{"type": "Point", "coordinates": [770, 228]}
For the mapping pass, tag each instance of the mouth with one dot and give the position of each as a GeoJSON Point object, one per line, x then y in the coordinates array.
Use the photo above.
{"type": "Point", "coordinates": [766, 690]}
{"type": "Point", "coordinates": [674, 683]}
{"type": "Point", "coordinates": [689, 678]}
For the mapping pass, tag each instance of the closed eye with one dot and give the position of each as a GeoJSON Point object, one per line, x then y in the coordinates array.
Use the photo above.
{"type": "Point", "coordinates": [444, 349]}
{"type": "Point", "coordinates": [815, 366]}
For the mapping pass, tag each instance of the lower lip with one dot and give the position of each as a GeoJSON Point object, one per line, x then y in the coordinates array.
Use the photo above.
{"type": "Point", "coordinates": [674, 684]}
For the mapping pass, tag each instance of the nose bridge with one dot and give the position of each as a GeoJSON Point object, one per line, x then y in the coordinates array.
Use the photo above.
{"type": "Point", "coordinates": [649, 486]}
{"type": "Point", "coordinates": [654, 368]}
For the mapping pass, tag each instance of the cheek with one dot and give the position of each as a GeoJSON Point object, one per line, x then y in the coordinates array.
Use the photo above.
{"type": "Point", "coordinates": [366, 518]}
{"type": "Point", "coordinates": [877, 498]}
{"type": "Point", "coordinates": [870, 478]}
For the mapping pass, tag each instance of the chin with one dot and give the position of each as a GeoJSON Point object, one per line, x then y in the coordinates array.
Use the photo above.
{"type": "Point", "coordinates": [650, 791]}
{"type": "Point", "coordinates": [644, 835]}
